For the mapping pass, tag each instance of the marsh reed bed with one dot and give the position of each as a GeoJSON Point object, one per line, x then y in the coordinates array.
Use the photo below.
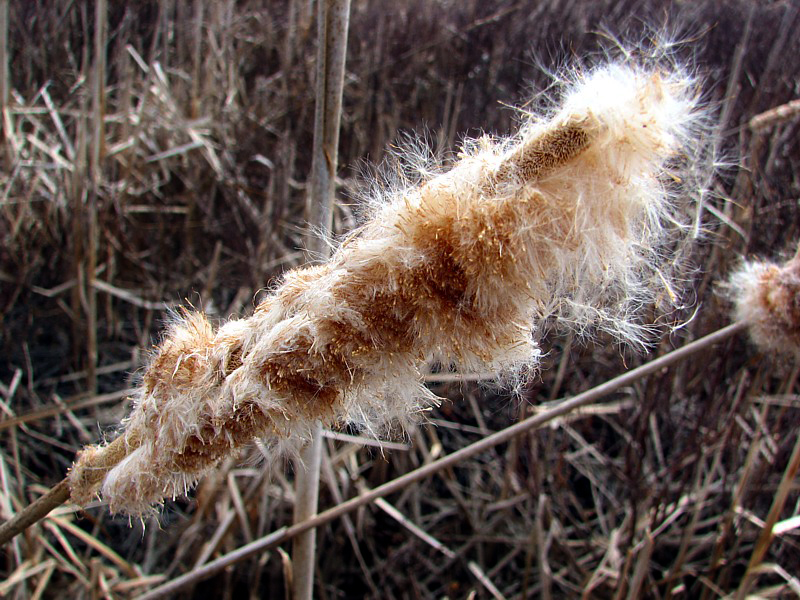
{"type": "Point", "coordinates": [197, 196]}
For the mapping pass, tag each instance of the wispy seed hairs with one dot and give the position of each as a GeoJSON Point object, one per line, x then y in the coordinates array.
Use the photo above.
{"type": "Point", "coordinates": [566, 218]}
{"type": "Point", "coordinates": [767, 296]}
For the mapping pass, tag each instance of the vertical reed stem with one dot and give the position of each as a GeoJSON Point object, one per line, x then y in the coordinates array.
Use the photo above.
{"type": "Point", "coordinates": [306, 501]}
{"type": "Point", "coordinates": [197, 57]}
{"type": "Point", "coordinates": [4, 84]}
{"type": "Point", "coordinates": [98, 85]}
{"type": "Point", "coordinates": [333, 17]}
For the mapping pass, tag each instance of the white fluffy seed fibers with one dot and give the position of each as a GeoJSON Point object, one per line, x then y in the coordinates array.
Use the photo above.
{"type": "Point", "coordinates": [567, 218]}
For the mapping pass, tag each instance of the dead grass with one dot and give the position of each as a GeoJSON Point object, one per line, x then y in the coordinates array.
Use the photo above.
{"type": "Point", "coordinates": [661, 492]}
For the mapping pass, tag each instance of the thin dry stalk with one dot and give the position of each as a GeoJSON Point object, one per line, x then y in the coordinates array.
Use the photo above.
{"type": "Point", "coordinates": [775, 116]}
{"type": "Point", "coordinates": [541, 549]}
{"type": "Point", "coordinates": [95, 153]}
{"type": "Point", "coordinates": [487, 583]}
{"type": "Point", "coordinates": [4, 81]}
{"type": "Point", "coordinates": [77, 199]}
{"type": "Point", "coordinates": [34, 512]}
{"type": "Point", "coordinates": [414, 528]}
{"type": "Point", "coordinates": [642, 567]}
{"type": "Point", "coordinates": [768, 532]}
{"type": "Point", "coordinates": [197, 59]}
{"type": "Point", "coordinates": [333, 17]}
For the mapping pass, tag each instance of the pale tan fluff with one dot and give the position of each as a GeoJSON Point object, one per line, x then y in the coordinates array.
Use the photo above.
{"type": "Point", "coordinates": [567, 218]}
{"type": "Point", "coordinates": [767, 296]}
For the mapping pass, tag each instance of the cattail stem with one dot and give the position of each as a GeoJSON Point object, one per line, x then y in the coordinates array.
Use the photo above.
{"type": "Point", "coordinates": [333, 16]}
{"type": "Point", "coordinates": [307, 472]}
{"type": "Point", "coordinates": [284, 534]}
{"type": "Point", "coordinates": [104, 459]}
{"type": "Point", "coordinates": [35, 511]}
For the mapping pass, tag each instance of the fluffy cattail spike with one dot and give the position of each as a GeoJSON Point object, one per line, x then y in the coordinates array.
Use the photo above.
{"type": "Point", "coordinates": [565, 219]}
{"type": "Point", "coordinates": [767, 296]}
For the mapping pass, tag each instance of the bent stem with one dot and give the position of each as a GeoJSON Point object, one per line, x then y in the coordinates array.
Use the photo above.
{"type": "Point", "coordinates": [35, 512]}
{"type": "Point", "coordinates": [104, 460]}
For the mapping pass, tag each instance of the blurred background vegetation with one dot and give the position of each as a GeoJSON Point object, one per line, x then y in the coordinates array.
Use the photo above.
{"type": "Point", "coordinates": [183, 181]}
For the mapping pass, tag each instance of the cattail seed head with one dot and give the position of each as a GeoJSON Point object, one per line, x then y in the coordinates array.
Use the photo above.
{"type": "Point", "coordinates": [767, 296]}
{"type": "Point", "coordinates": [563, 219]}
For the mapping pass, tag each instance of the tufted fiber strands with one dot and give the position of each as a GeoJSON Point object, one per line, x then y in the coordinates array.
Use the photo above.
{"type": "Point", "coordinates": [767, 296]}
{"type": "Point", "coordinates": [563, 219]}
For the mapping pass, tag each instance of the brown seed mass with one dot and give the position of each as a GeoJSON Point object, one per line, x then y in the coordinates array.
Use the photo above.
{"type": "Point", "coordinates": [214, 441]}
{"type": "Point", "coordinates": [545, 153]}
{"type": "Point", "coordinates": [457, 269]}
{"type": "Point", "coordinates": [779, 294]}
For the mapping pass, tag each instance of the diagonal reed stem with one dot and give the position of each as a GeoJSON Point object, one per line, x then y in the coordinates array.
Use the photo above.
{"type": "Point", "coordinates": [531, 423]}
{"type": "Point", "coordinates": [60, 493]}
{"type": "Point", "coordinates": [34, 512]}
{"type": "Point", "coordinates": [767, 532]}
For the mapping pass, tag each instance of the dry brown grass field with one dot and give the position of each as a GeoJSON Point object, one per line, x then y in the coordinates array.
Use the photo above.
{"type": "Point", "coordinates": [183, 182]}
